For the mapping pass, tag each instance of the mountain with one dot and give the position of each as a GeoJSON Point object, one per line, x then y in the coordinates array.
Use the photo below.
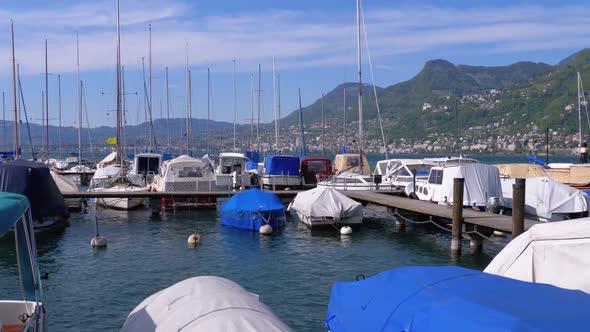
{"type": "Point", "coordinates": [334, 105]}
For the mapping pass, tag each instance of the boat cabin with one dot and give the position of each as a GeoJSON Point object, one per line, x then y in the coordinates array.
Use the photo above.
{"type": "Point", "coordinates": [351, 162]}
{"type": "Point", "coordinates": [230, 172]}
{"type": "Point", "coordinates": [281, 171]}
{"type": "Point", "coordinates": [312, 168]}
{"type": "Point", "coordinates": [147, 163]}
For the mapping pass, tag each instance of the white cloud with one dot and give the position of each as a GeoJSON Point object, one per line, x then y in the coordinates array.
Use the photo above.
{"type": "Point", "coordinates": [296, 38]}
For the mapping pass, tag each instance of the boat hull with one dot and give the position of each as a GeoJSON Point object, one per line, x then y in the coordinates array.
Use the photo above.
{"type": "Point", "coordinates": [120, 203]}
{"type": "Point", "coordinates": [319, 222]}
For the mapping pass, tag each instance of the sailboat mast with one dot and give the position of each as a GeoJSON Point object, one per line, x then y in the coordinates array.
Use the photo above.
{"type": "Point", "coordinates": [16, 154]}
{"type": "Point", "coordinates": [360, 84]}
{"type": "Point", "coordinates": [259, 102]}
{"type": "Point", "coordinates": [190, 112]}
{"type": "Point", "coordinates": [235, 103]}
{"type": "Point", "coordinates": [189, 118]}
{"type": "Point", "coordinates": [302, 143]}
{"type": "Point", "coordinates": [118, 93]}
{"type": "Point", "coordinates": [150, 106]}
{"type": "Point", "coordinates": [59, 105]}
{"type": "Point", "coordinates": [279, 109]}
{"type": "Point", "coordinates": [46, 104]}
{"type": "Point", "coordinates": [274, 93]}
{"type": "Point", "coordinates": [79, 103]}
{"type": "Point", "coordinates": [252, 111]}
{"type": "Point", "coordinates": [208, 107]}
{"type": "Point", "coordinates": [323, 139]}
{"type": "Point", "coordinates": [579, 112]}
{"type": "Point", "coordinates": [4, 120]}
{"type": "Point", "coordinates": [344, 121]}
{"type": "Point", "coordinates": [145, 107]}
{"type": "Point", "coordinates": [167, 108]}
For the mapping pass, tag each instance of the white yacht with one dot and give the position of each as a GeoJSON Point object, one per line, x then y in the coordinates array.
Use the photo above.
{"type": "Point", "coordinates": [111, 179]}
{"type": "Point", "coordinates": [400, 172]}
{"type": "Point", "coordinates": [145, 167]}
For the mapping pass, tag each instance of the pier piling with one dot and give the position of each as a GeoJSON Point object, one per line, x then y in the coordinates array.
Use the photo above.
{"type": "Point", "coordinates": [457, 216]}
{"type": "Point", "coordinates": [518, 192]}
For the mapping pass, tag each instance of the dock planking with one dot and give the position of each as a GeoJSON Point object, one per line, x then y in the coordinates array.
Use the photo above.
{"type": "Point", "coordinates": [484, 219]}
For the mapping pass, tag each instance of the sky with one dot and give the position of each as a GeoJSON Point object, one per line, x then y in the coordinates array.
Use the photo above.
{"type": "Point", "coordinates": [313, 44]}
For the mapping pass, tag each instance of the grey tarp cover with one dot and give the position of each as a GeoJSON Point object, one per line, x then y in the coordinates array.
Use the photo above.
{"type": "Point", "coordinates": [326, 202]}
{"type": "Point", "coordinates": [203, 304]}
{"type": "Point", "coordinates": [34, 181]}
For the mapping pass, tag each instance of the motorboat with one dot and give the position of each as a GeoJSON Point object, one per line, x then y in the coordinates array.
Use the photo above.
{"type": "Point", "coordinates": [252, 209]}
{"type": "Point", "coordinates": [35, 182]}
{"type": "Point", "coordinates": [482, 183]}
{"type": "Point", "coordinates": [419, 298]}
{"type": "Point", "coordinates": [186, 174]}
{"type": "Point", "coordinates": [460, 159]}
{"type": "Point", "coordinates": [548, 253]}
{"type": "Point", "coordinates": [67, 185]}
{"type": "Point", "coordinates": [145, 167]}
{"type": "Point", "coordinates": [312, 168]}
{"type": "Point", "coordinates": [281, 171]}
{"type": "Point", "coordinates": [230, 172]}
{"type": "Point", "coordinates": [325, 206]}
{"type": "Point", "coordinates": [207, 304]}
{"type": "Point", "coordinates": [27, 314]}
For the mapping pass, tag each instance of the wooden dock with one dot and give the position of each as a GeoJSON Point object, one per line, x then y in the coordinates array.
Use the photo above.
{"type": "Point", "coordinates": [483, 219]}
{"type": "Point", "coordinates": [159, 194]}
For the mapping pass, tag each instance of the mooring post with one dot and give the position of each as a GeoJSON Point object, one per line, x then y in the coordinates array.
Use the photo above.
{"type": "Point", "coordinates": [457, 216]}
{"type": "Point", "coordinates": [518, 192]}
{"type": "Point", "coordinates": [400, 225]}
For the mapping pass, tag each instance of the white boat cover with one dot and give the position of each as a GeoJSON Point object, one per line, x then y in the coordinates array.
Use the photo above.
{"type": "Point", "coordinates": [108, 159]}
{"type": "Point", "coordinates": [481, 182]}
{"type": "Point", "coordinates": [203, 304]}
{"type": "Point", "coordinates": [550, 253]}
{"type": "Point", "coordinates": [325, 201]}
{"type": "Point", "coordinates": [106, 172]}
{"type": "Point", "coordinates": [63, 183]}
{"type": "Point", "coordinates": [185, 173]}
{"type": "Point", "coordinates": [521, 170]}
{"type": "Point", "coordinates": [545, 196]}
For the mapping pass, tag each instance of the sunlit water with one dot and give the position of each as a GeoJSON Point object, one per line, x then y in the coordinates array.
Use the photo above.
{"type": "Point", "coordinates": [293, 270]}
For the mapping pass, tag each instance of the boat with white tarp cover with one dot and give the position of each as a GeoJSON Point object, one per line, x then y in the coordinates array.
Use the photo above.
{"type": "Point", "coordinates": [204, 303]}
{"type": "Point", "coordinates": [552, 253]}
{"type": "Point", "coordinates": [325, 206]}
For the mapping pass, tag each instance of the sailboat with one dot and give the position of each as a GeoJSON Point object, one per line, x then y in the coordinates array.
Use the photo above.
{"type": "Point", "coordinates": [110, 174]}
{"type": "Point", "coordinates": [352, 170]}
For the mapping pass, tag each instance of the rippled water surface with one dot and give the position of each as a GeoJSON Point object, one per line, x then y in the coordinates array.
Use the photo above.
{"type": "Point", "coordinates": [293, 270]}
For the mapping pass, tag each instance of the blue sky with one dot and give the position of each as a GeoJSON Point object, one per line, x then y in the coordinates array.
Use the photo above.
{"type": "Point", "coordinates": [314, 43]}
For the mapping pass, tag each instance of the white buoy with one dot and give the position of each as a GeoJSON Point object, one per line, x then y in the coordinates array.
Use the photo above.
{"type": "Point", "coordinates": [288, 210]}
{"type": "Point", "coordinates": [97, 241]}
{"type": "Point", "coordinates": [346, 230]}
{"type": "Point", "coordinates": [265, 229]}
{"type": "Point", "coordinates": [194, 238]}
{"type": "Point", "coordinates": [499, 234]}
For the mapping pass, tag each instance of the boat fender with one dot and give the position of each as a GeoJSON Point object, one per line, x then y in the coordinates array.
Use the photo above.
{"type": "Point", "coordinates": [98, 242]}
{"type": "Point", "coordinates": [254, 180]}
{"type": "Point", "coordinates": [413, 195]}
{"type": "Point", "coordinates": [265, 229]}
{"type": "Point", "coordinates": [346, 230]}
{"type": "Point", "coordinates": [289, 207]}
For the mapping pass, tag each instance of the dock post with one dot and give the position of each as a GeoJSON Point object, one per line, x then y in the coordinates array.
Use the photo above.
{"type": "Point", "coordinates": [518, 192]}
{"type": "Point", "coordinates": [457, 216]}
{"type": "Point", "coordinates": [400, 225]}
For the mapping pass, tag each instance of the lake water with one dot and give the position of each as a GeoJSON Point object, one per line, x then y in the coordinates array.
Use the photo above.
{"type": "Point", "coordinates": [293, 270]}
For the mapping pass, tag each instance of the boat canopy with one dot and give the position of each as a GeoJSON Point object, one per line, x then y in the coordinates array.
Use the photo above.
{"type": "Point", "coordinates": [312, 166]}
{"type": "Point", "coordinates": [109, 159]}
{"type": "Point", "coordinates": [327, 202]}
{"type": "Point", "coordinates": [281, 165]}
{"type": "Point", "coordinates": [548, 253]}
{"type": "Point", "coordinates": [451, 298]}
{"type": "Point", "coordinates": [545, 196]}
{"type": "Point", "coordinates": [34, 181]}
{"type": "Point", "coordinates": [253, 208]}
{"type": "Point", "coordinates": [16, 214]}
{"type": "Point", "coordinates": [204, 303]}
{"type": "Point", "coordinates": [350, 162]}
{"type": "Point", "coordinates": [481, 182]}
{"type": "Point", "coordinates": [521, 171]}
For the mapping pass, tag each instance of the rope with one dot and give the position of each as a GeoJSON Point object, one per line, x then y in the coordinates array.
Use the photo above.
{"type": "Point", "coordinates": [419, 222]}
{"type": "Point", "coordinates": [489, 238]}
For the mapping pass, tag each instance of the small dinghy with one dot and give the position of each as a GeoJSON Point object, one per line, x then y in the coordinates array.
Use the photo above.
{"type": "Point", "coordinates": [253, 209]}
{"type": "Point", "coordinates": [203, 304]}
{"type": "Point", "coordinates": [325, 206]}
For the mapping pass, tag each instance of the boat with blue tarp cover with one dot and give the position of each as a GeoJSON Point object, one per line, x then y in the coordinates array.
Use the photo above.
{"type": "Point", "coordinates": [27, 314]}
{"type": "Point", "coordinates": [451, 298]}
{"type": "Point", "coordinates": [252, 209]}
{"type": "Point", "coordinates": [281, 171]}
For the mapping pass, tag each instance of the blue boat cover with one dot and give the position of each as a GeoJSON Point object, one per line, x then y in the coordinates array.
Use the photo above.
{"type": "Point", "coordinates": [451, 298]}
{"type": "Point", "coordinates": [34, 181]}
{"type": "Point", "coordinates": [12, 207]}
{"type": "Point", "coordinates": [281, 165]}
{"type": "Point", "coordinates": [253, 208]}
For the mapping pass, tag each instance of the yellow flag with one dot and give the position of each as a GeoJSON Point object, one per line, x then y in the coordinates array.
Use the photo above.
{"type": "Point", "coordinates": [112, 140]}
